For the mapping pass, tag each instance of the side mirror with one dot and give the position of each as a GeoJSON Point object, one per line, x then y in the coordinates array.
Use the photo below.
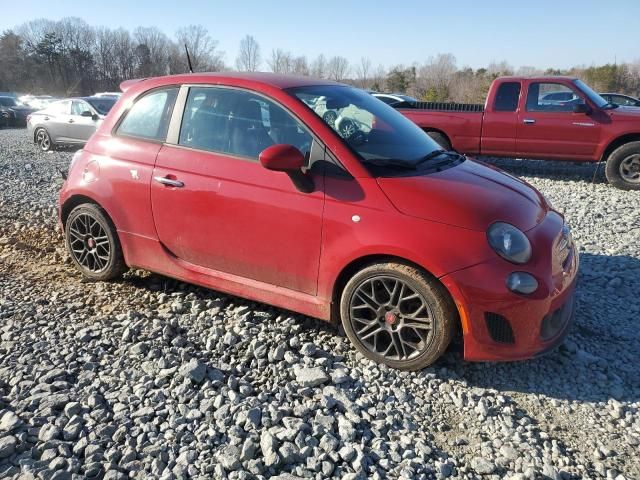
{"type": "Point", "coordinates": [282, 158]}
{"type": "Point", "coordinates": [290, 160]}
{"type": "Point", "coordinates": [582, 108]}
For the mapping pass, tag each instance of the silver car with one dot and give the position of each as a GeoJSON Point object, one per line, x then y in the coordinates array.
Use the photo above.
{"type": "Point", "coordinates": [68, 122]}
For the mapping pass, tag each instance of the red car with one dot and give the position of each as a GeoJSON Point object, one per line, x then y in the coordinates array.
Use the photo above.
{"type": "Point", "coordinates": [235, 182]}
{"type": "Point", "coordinates": [549, 118]}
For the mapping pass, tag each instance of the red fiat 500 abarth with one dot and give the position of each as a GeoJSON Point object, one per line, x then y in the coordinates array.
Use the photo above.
{"type": "Point", "coordinates": [319, 198]}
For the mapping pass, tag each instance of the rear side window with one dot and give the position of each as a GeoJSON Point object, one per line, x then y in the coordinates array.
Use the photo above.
{"type": "Point", "coordinates": [149, 117]}
{"type": "Point", "coordinates": [507, 97]}
{"type": "Point", "coordinates": [59, 108]}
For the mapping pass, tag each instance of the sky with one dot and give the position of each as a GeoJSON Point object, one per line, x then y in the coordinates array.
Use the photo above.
{"type": "Point", "coordinates": [539, 33]}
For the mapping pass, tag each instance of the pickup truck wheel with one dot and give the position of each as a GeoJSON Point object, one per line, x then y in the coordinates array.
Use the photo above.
{"type": "Point", "coordinates": [623, 167]}
{"type": "Point", "coordinates": [397, 315]}
{"type": "Point", "coordinates": [92, 242]}
{"type": "Point", "coordinates": [440, 139]}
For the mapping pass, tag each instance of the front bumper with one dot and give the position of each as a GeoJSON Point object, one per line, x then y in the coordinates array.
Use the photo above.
{"type": "Point", "coordinates": [500, 325]}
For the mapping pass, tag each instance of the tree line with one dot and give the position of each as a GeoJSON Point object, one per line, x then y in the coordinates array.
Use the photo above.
{"type": "Point", "coordinates": [70, 57]}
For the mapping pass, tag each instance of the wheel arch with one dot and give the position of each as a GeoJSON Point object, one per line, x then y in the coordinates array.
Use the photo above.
{"type": "Point", "coordinates": [78, 199]}
{"type": "Point", "coordinates": [428, 130]}
{"type": "Point", "coordinates": [618, 142]}
{"type": "Point", "coordinates": [362, 262]}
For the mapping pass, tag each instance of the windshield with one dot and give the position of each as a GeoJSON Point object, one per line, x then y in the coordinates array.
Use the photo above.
{"type": "Point", "coordinates": [593, 96]}
{"type": "Point", "coordinates": [7, 102]}
{"type": "Point", "coordinates": [372, 129]}
{"type": "Point", "coordinates": [102, 105]}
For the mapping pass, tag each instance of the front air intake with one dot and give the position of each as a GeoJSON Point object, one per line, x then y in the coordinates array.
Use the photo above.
{"type": "Point", "coordinates": [499, 328]}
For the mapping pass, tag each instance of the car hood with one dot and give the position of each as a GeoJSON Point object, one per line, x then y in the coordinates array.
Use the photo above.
{"type": "Point", "coordinates": [626, 112]}
{"type": "Point", "coordinates": [470, 195]}
{"type": "Point", "coordinates": [22, 108]}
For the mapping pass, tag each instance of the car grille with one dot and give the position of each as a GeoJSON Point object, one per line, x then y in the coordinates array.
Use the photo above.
{"type": "Point", "coordinates": [499, 328]}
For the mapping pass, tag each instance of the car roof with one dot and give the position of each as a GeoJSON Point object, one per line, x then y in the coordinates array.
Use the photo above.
{"type": "Point", "coordinates": [276, 80]}
{"type": "Point", "coordinates": [547, 78]}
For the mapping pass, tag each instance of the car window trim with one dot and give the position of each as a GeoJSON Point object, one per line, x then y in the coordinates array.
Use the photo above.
{"type": "Point", "coordinates": [175, 123]}
{"type": "Point", "coordinates": [123, 115]}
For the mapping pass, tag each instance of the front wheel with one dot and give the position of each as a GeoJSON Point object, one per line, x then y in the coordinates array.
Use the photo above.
{"type": "Point", "coordinates": [92, 242]}
{"type": "Point", "coordinates": [397, 315]}
{"type": "Point", "coordinates": [623, 167]}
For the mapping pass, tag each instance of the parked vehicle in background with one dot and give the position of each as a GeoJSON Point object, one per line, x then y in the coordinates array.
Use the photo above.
{"type": "Point", "coordinates": [108, 94]}
{"type": "Point", "coordinates": [36, 102]}
{"type": "Point", "coordinates": [71, 121]}
{"type": "Point", "coordinates": [392, 98]}
{"type": "Point", "coordinates": [620, 99]}
{"type": "Point", "coordinates": [235, 182]}
{"type": "Point", "coordinates": [519, 120]}
{"type": "Point", "coordinates": [12, 114]}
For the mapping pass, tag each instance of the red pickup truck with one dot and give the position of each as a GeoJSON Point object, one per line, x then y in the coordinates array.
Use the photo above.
{"type": "Point", "coordinates": [555, 118]}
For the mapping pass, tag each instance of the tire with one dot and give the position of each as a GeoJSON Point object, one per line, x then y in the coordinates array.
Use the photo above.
{"type": "Point", "coordinates": [441, 140]}
{"type": "Point", "coordinates": [381, 284]}
{"type": "Point", "coordinates": [623, 167]}
{"type": "Point", "coordinates": [330, 118]}
{"type": "Point", "coordinates": [43, 139]}
{"type": "Point", "coordinates": [347, 129]}
{"type": "Point", "coordinates": [92, 242]}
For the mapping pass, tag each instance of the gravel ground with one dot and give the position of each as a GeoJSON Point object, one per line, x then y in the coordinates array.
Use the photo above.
{"type": "Point", "coordinates": [153, 378]}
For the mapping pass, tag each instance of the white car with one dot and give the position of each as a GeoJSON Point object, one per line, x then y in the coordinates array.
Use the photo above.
{"type": "Point", "coordinates": [347, 121]}
{"type": "Point", "coordinates": [391, 98]}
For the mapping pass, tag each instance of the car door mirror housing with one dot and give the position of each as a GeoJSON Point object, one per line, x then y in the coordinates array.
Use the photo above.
{"type": "Point", "coordinates": [290, 160]}
{"type": "Point", "coordinates": [582, 108]}
{"type": "Point", "coordinates": [282, 158]}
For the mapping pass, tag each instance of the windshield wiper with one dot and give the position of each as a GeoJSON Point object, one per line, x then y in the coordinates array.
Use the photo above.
{"type": "Point", "coordinates": [390, 162]}
{"type": "Point", "coordinates": [437, 153]}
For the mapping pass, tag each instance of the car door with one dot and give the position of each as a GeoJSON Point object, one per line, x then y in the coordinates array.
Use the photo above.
{"type": "Point", "coordinates": [56, 118]}
{"type": "Point", "coordinates": [80, 127]}
{"type": "Point", "coordinates": [216, 207]}
{"type": "Point", "coordinates": [550, 129]}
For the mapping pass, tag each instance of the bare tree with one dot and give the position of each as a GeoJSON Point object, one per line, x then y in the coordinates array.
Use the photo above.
{"type": "Point", "coordinates": [434, 79]}
{"type": "Point", "coordinates": [248, 59]}
{"type": "Point", "coordinates": [203, 49]}
{"type": "Point", "coordinates": [337, 68]}
{"type": "Point", "coordinates": [362, 72]}
{"type": "Point", "coordinates": [300, 66]}
{"type": "Point", "coordinates": [319, 67]}
{"type": "Point", "coordinates": [281, 61]}
{"type": "Point", "coordinates": [153, 44]}
{"type": "Point", "coordinates": [496, 69]}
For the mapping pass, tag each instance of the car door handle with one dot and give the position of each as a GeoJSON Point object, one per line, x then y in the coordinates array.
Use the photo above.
{"type": "Point", "coordinates": [529, 121]}
{"type": "Point", "coordinates": [169, 182]}
{"type": "Point", "coordinates": [71, 120]}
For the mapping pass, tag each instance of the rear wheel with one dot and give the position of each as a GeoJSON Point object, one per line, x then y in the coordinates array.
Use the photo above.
{"type": "Point", "coordinates": [397, 315]}
{"type": "Point", "coordinates": [93, 243]}
{"type": "Point", "coordinates": [623, 167]}
{"type": "Point", "coordinates": [441, 140]}
{"type": "Point", "coordinates": [43, 140]}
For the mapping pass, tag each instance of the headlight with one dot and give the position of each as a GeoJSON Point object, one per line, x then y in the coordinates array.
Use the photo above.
{"type": "Point", "coordinates": [509, 242]}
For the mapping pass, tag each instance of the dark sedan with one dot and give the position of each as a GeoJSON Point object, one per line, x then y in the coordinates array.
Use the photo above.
{"type": "Point", "coordinates": [12, 114]}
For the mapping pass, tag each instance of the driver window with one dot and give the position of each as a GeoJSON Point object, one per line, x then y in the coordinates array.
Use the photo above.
{"type": "Point", "coordinates": [551, 97]}
{"type": "Point", "coordinates": [77, 107]}
{"type": "Point", "coordinates": [238, 123]}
